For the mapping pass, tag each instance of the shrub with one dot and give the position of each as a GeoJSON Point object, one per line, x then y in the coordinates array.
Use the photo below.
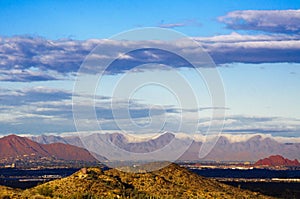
{"type": "Point", "coordinates": [92, 175]}
{"type": "Point", "coordinates": [45, 191]}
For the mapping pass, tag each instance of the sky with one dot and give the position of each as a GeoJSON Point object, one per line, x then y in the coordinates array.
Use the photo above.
{"type": "Point", "coordinates": [254, 48]}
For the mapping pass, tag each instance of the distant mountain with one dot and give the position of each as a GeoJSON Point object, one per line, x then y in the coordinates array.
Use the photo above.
{"type": "Point", "coordinates": [277, 160]}
{"type": "Point", "coordinates": [141, 147]}
{"type": "Point", "coordinates": [49, 139]}
{"type": "Point", "coordinates": [117, 139]}
{"type": "Point", "coordinates": [171, 181]}
{"type": "Point", "coordinates": [253, 149]}
{"type": "Point", "coordinates": [13, 147]}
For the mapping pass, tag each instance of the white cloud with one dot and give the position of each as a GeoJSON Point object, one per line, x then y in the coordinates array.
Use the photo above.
{"type": "Point", "coordinates": [277, 21]}
{"type": "Point", "coordinates": [37, 59]}
{"type": "Point", "coordinates": [172, 25]}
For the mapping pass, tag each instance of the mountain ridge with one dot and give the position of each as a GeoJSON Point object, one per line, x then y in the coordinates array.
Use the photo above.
{"type": "Point", "coordinates": [251, 149]}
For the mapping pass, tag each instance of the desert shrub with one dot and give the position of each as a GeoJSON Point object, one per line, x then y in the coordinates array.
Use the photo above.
{"type": "Point", "coordinates": [45, 191]}
{"type": "Point", "coordinates": [92, 175]}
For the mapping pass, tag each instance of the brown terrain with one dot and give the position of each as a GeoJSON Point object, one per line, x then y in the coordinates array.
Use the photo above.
{"type": "Point", "coordinates": [276, 160]}
{"type": "Point", "coordinates": [12, 147]}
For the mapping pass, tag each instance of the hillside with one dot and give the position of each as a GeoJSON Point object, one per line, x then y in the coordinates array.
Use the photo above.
{"type": "Point", "coordinates": [169, 182]}
{"type": "Point", "coordinates": [15, 148]}
{"type": "Point", "coordinates": [277, 160]}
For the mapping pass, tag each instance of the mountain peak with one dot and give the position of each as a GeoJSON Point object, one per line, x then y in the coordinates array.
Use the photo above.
{"type": "Point", "coordinates": [12, 137]}
{"type": "Point", "coordinates": [256, 138]}
{"type": "Point", "coordinates": [16, 140]}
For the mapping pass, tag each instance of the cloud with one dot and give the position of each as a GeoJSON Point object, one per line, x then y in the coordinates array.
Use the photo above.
{"type": "Point", "coordinates": [252, 48]}
{"type": "Point", "coordinates": [26, 59]}
{"type": "Point", "coordinates": [157, 57]}
{"type": "Point", "coordinates": [42, 109]}
{"type": "Point", "coordinates": [36, 110]}
{"type": "Point", "coordinates": [28, 96]}
{"type": "Point", "coordinates": [276, 126]}
{"type": "Point", "coordinates": [275, 21]}
{"type": "Point", "coordinates": [244, 124]}
{"type": "Point", "coordinates": [39, 59]}
{"type": "Point", "coordinates": [189, 22]}
{"type": "Point", "coordinates": [234, 138]}
{"type": "Point", "coordinates": [29, 75]}
{"type": "Point", "coordinates": [172, 25]}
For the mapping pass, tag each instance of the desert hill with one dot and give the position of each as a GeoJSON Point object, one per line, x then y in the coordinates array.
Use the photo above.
{"type": "Point", "coordinates": [277, 160]}
{"type": "Point", "coordinates": [172, 181]}
{"type": "Point", "coordinates": [14, 148]}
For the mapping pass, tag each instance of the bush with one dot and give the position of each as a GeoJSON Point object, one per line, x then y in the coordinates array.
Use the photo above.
{"type": "Point", "coordinates": [45, 191]}
{"type": "Point", "coordinates": [92, 175]}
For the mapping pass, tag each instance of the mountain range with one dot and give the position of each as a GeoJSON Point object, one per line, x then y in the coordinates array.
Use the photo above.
{"type": "Point", "coordinates": [252, 149]}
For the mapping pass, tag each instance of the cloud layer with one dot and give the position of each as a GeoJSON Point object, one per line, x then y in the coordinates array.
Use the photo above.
{"type": "Point", "coordinates": [41, 110]}
{"type": "Point", "coordinates": [37, 59]}
{"type": "Point", "coordinates": [27, 59]}
{"type": "Point", "coordinates": [275, 21]}
{"type": "Point", "coordinates": [253, 48]}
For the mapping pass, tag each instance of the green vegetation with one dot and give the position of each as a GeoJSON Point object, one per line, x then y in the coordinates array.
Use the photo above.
{"type": "Point", "coordinates": [169, 182]}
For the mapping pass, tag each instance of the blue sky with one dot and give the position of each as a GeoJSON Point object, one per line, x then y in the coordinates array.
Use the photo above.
{"type": "Point", "coordinates": [101, 19]}
{"type": "Point", "coordinates": [256, 47]}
